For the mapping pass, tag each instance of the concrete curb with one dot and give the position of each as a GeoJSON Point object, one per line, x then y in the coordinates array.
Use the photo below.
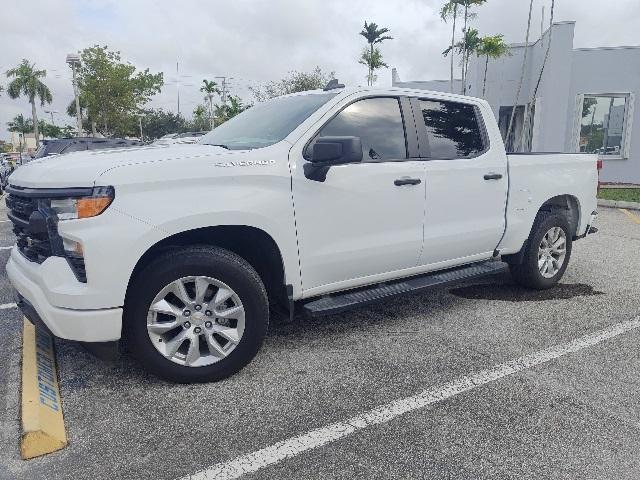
{"type": "Point", "coordinates": [42, 421]}
{"type": "Point", "coordinates": [618, 204]}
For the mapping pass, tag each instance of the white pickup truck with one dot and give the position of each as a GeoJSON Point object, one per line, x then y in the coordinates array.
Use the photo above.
{"type": "Point", "coordinates": [324, 199]}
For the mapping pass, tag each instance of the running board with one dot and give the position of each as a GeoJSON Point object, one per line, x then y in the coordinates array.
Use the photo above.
{"type": "Point", "coordinates": [344, 301]}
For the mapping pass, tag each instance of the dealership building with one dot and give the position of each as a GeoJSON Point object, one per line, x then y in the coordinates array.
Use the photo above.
{"type": "Point", "coordinates": [584, 103]}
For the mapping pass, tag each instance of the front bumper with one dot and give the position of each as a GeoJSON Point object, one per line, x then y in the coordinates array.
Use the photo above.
{"type": "Point", "coordinates": [100, 325]}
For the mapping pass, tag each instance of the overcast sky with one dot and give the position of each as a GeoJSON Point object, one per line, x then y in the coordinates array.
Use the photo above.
{"type": "Point", "coordinates": [254, 41]}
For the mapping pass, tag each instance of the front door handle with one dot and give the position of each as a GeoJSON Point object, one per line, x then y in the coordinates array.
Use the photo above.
{"type": "Point", "coordinates": [493, 176]}
{"type": "Point", "coordinates": [407, 181]}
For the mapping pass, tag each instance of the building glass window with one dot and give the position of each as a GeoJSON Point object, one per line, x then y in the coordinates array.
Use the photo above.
{"type": "Point", "coordinates": [603, 124]}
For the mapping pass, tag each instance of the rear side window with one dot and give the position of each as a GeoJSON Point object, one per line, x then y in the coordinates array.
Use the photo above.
{"type": "Point", "coordinates": [378, 123]}
{"type": "Point", "coordinates": [453, 129]}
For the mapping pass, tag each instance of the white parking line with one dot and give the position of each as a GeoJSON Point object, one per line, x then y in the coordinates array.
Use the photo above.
{"type": "Point", "coordinates": [6, 248]}
{"type": "Point", "coordinates": [252, 462]}
{"type": "Point", "coordinates": [6, 306]}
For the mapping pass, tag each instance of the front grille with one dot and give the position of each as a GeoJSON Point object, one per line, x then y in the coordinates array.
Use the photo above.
{"type": "Point", "coordinates": [45, 243]}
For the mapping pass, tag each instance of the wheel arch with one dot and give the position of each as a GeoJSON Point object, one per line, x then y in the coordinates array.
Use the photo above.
{"type": "Point", "coordinates": [568, 204]}
{"type": "Point", "coordinates": [251, 243]}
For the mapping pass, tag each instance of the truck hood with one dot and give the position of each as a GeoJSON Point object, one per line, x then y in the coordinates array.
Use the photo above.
{"type": "Point", "coordinates": [82, 169]}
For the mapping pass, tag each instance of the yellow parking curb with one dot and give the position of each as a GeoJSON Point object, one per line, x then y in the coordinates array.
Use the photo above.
{"type": "Point", "coordinates": [632, 216]}
{"type": "Point", "coordinates": [42, 421]}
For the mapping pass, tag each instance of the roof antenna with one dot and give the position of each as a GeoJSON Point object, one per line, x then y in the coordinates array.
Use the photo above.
{"type": "Point", "coordinates": [333, 84]}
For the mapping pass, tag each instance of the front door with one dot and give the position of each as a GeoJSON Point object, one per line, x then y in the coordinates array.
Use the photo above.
{"type": "Point", "coordinates": [365, 220]}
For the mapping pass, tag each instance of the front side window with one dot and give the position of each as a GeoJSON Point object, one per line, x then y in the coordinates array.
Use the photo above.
{"type": "Point", "coordinates": [453, 129]}
{"type": "Point", "coordinates": [603, 124]}
{"type": "Point", "coordinates": [378, 123]}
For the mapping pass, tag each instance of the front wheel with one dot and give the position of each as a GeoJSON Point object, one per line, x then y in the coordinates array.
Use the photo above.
{"type": "Point", "coordinates": [197, 314]}
{"type": "Point", "coordinates": [547, 253]}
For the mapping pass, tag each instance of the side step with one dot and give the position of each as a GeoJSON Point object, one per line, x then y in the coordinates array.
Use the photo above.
{"type": "Point", "coordinates": [344, 301]}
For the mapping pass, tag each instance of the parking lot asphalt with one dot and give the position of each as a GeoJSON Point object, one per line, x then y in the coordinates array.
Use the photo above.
{"type": "Point", "coordinates": [577, 416]}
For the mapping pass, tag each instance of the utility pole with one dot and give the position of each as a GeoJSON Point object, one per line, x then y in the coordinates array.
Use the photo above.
{"type": "Point", "coordinates": [225, 90]}
{"type": "Point", "coordinates": [52, 112]}
{"type": "Point", "coordinates": [178, 85]}
{"type": "Point", "coordinates": [73, 59]}
{"type": "Point", "coordinates": [140, 115]}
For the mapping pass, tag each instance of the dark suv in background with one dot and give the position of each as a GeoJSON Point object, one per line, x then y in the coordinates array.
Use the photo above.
{"type": "Point", "coordinates": [66, 145]}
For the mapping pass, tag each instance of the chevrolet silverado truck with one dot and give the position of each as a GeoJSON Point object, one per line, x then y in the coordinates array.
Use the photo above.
{"type": "Point", "coordinates": [323, 200]}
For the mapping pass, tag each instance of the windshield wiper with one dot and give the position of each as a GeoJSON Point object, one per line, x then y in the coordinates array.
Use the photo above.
{"type": "Point", "coordinates": [219, 145]}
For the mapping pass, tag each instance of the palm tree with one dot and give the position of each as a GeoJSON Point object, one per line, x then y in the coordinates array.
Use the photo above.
{"type": "Point", "coordinates": [491, 47]}
{"type": "Point", "coordinates": [468, 15]}
{"type": "Point", "coordinates": [373, 60]}
{"type": "Point", "coordinates": [21, 126]}
{"type": "Point", "coordinates": [26, 81]}
{"type": "Point", "coordinates": [450, 10]}
{"type": "Point", "coordinates": [210, 88]}
{"type": "Point", "coordinates": [374, 35]}
{"type": "Point", "coordinates": [465, 47]}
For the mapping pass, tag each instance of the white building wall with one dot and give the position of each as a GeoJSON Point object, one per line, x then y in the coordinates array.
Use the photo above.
{"type": "Point", "coordinates": [567, 74]}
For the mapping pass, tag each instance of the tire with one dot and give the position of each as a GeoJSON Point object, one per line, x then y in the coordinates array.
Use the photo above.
{"type": "Point", "coordinates": [186, 266]}
{"type": "Point", "coordinates": [528, 273]}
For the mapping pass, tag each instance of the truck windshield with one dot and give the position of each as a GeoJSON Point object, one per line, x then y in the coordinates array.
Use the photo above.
{"type": "Point", "coordinates": [266, 123]}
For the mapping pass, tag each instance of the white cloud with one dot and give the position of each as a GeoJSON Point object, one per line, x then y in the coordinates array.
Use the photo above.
{"type": "Point", "coordinates": [258, 40]}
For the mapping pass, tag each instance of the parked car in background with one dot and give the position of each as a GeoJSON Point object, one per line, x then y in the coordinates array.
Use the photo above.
{"type": "Point", "coordinates": [180, 138]}
{"type": "Point", "coordinates": [6, 167]}
{"type": "Point", "coordinates": [67, 145]}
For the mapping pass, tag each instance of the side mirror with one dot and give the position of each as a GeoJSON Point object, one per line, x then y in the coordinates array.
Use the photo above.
{"type": "Point", "coordinates": [330, 151]}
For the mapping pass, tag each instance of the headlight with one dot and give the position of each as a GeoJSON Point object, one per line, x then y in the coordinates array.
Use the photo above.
{"type": "Point", "coordinates": [83, 207]}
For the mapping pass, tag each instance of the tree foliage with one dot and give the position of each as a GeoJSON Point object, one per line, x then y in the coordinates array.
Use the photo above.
{"type": "Point", "coordinates": [27, 81]}
{"type": "Point", "coordinates": [295, 81]}
{"type": "Point", "coordinates": [373, 58]}
{"type": "Point", "coordinates": [224, 112]}
{"type": "Point", "coordinates": [20, 125]}
{"type": "Point", "coordinates": [492, 46]}
{"type": "Point", "coordinates": [113, 91]}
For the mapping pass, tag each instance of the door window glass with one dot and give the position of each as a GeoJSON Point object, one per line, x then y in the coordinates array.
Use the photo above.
{"type": "Point", "coordinates": [453, 129]}
{"type": "Point", "coordinates": [378, 123]}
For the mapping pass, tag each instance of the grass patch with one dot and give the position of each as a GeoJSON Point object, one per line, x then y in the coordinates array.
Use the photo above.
{"type": "Point", "coordinates": [624, 194]}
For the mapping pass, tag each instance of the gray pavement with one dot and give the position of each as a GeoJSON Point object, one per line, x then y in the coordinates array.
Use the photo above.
{"type": "Point", "coordinates": [575, 417]}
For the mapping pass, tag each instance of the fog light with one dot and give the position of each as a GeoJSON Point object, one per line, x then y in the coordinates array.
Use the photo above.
{"type": "Point", "coordinates": [72, 247]}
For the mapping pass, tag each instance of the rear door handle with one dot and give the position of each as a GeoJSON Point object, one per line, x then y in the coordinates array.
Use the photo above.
{"type": "Point", "coordinates": [493, 176]}
{"type": "Point", "coordinates": [407, 181]}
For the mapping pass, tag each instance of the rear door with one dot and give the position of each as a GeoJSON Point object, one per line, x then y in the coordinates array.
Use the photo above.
{"type": "Point", "coordinates": [466, 182]}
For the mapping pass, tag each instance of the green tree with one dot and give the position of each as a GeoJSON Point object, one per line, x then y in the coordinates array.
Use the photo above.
{"type": "Point", "coordinates": [294, 82]}
{"type": "Point", "coordinates": [210, 88]}
{"type": "Point", "coordinates": [157, 123]}
{"type": "Point", "coordinates": [26, 81]}
{"type": "Point", "coordinates": [229, 110]}
{"type": "Point", "coordinates": [491, 47]}
{"type": "Point", "coordinates": [466, 47]}
{"type": "Point", "coordinates": [373, 60]}
{"type": "Point", "coordinates": [450, 11]}
{"type": "Point", "coordinates": [113, 91]}
{"type": "Point", "coordinates": [21, 126]}
{"type": "Point", "coordinates": [200, 119]}
{"type": "Point", "coordinates": [49, 130]}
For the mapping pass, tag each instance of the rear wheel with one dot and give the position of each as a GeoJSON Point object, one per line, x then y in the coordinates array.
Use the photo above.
{"type": "Point", "coordinates": [547, 254]}
{"type": "Point", "coordinates": [197, 314]}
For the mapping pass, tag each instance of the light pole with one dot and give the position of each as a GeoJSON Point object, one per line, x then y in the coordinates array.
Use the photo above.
{"type": "Point", "coordinates": [52, 112]}
{"type": "Point", "coordinates": [73, 59]}
{"type": "Point", "coordinates": [140, 115]}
